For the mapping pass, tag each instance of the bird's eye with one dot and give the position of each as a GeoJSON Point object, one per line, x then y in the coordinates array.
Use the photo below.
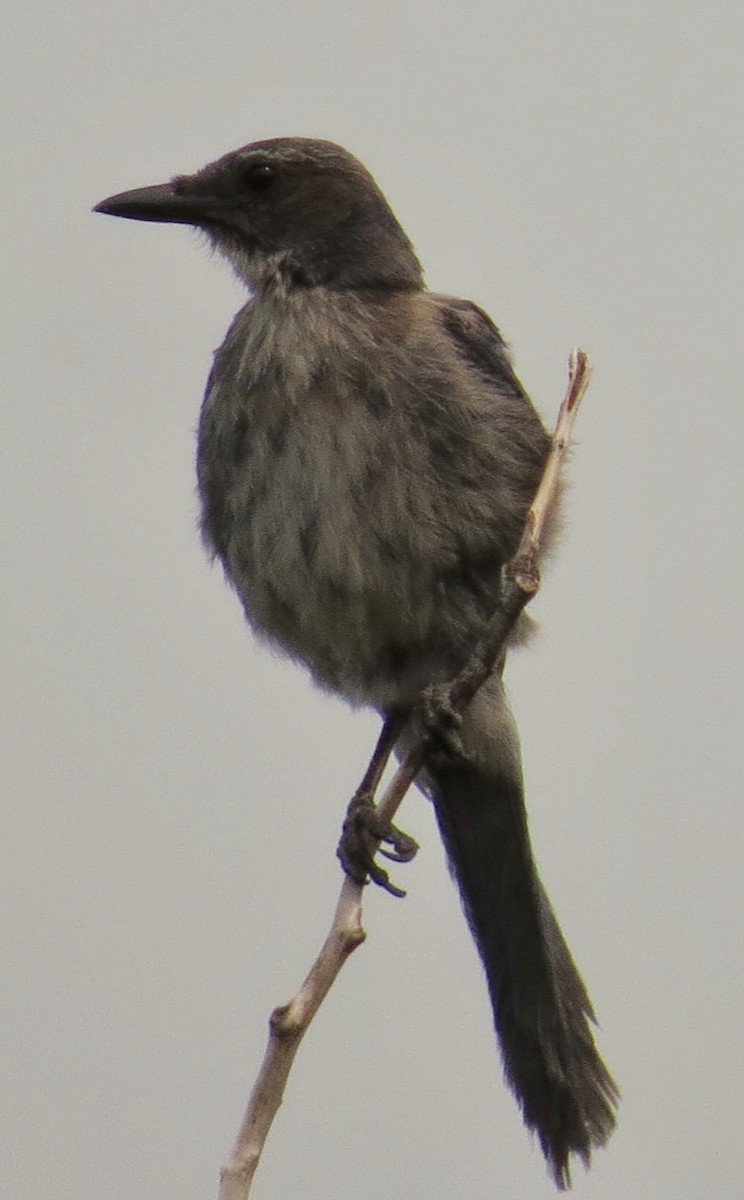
{"type": "Point", "coordinates": [259, 177]}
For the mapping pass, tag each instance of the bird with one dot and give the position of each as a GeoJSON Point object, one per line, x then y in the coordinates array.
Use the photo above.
{"type": "Point", "coordinates": [366, 457]}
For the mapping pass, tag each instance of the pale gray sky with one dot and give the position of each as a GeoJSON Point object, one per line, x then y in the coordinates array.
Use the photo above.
{"type": "Point", "coordinates": [173, 793]}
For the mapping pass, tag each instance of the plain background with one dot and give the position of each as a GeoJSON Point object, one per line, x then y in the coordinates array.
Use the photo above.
{"type": "Point", "coordinates": [172, 793]}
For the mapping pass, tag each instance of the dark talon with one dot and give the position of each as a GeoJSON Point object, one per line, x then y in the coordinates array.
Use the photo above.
{"type": "Point", "coordinates": [391, 854]}
{"type": "Point", "coordinates": [380, 876]}
{"type": "Point", "coordinates": [362, 832]}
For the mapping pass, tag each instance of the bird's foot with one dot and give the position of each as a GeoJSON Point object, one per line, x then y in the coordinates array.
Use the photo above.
{"type": "Point", "coordinates": [362, 833]}
{"type": "Point", "coordinates": [441, 722]}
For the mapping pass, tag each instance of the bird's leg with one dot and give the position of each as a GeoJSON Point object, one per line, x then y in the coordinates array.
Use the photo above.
{"type": "Point", "coordinates": [391, 728]}
{"type": "Point", "coordinates": [363, 829]}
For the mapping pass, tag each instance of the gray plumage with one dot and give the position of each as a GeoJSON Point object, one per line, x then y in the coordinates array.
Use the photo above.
{"type": "Point", "coordinates": [366, 457]}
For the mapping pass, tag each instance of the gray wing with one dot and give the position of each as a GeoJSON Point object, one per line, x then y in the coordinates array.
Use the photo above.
{"type": "Point", "coordinates": [480, 344]}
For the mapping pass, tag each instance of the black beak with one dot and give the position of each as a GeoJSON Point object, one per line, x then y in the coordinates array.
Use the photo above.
{"type": "Point", "coordinates": [163, 202]}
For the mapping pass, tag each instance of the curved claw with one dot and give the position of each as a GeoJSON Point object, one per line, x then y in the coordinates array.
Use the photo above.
{"type": "Point", "coordinates": [380, 876]}
{"type": "Point", "coordinates": [404, 847]}
{"type": "Point", "coordinates": [363, 831]}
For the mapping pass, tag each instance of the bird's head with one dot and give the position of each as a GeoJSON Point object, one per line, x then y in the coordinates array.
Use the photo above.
{"type": "Point", "coordinates": [294, 210]}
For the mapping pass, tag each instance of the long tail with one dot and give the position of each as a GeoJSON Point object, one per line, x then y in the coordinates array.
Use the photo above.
{"type": "Point", "coordinates": [541, 1008]}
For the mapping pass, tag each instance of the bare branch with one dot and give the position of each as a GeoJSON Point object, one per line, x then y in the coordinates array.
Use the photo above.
{"type": "Point", "coordinates": [288, 1024]}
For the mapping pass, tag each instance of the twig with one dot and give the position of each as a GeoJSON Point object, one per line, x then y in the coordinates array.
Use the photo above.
{"type": "Point", "coordinates": [288, 1024]}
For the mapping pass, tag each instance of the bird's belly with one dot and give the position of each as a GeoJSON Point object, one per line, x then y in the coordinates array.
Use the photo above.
{"type": "Point", "coordinates": [325, 577]}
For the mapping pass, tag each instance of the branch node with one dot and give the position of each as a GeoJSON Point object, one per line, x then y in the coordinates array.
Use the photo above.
{"type": "Point", "coordinates": [285, 1021]}
{"type": "Point", "coordinates": [524, 571]}
{"type": "Point", "coordinates": [350, 937]}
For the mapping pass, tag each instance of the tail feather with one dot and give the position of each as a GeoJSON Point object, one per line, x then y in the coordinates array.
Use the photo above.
{"type": "Point", "coordinates": [541, 1008]}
